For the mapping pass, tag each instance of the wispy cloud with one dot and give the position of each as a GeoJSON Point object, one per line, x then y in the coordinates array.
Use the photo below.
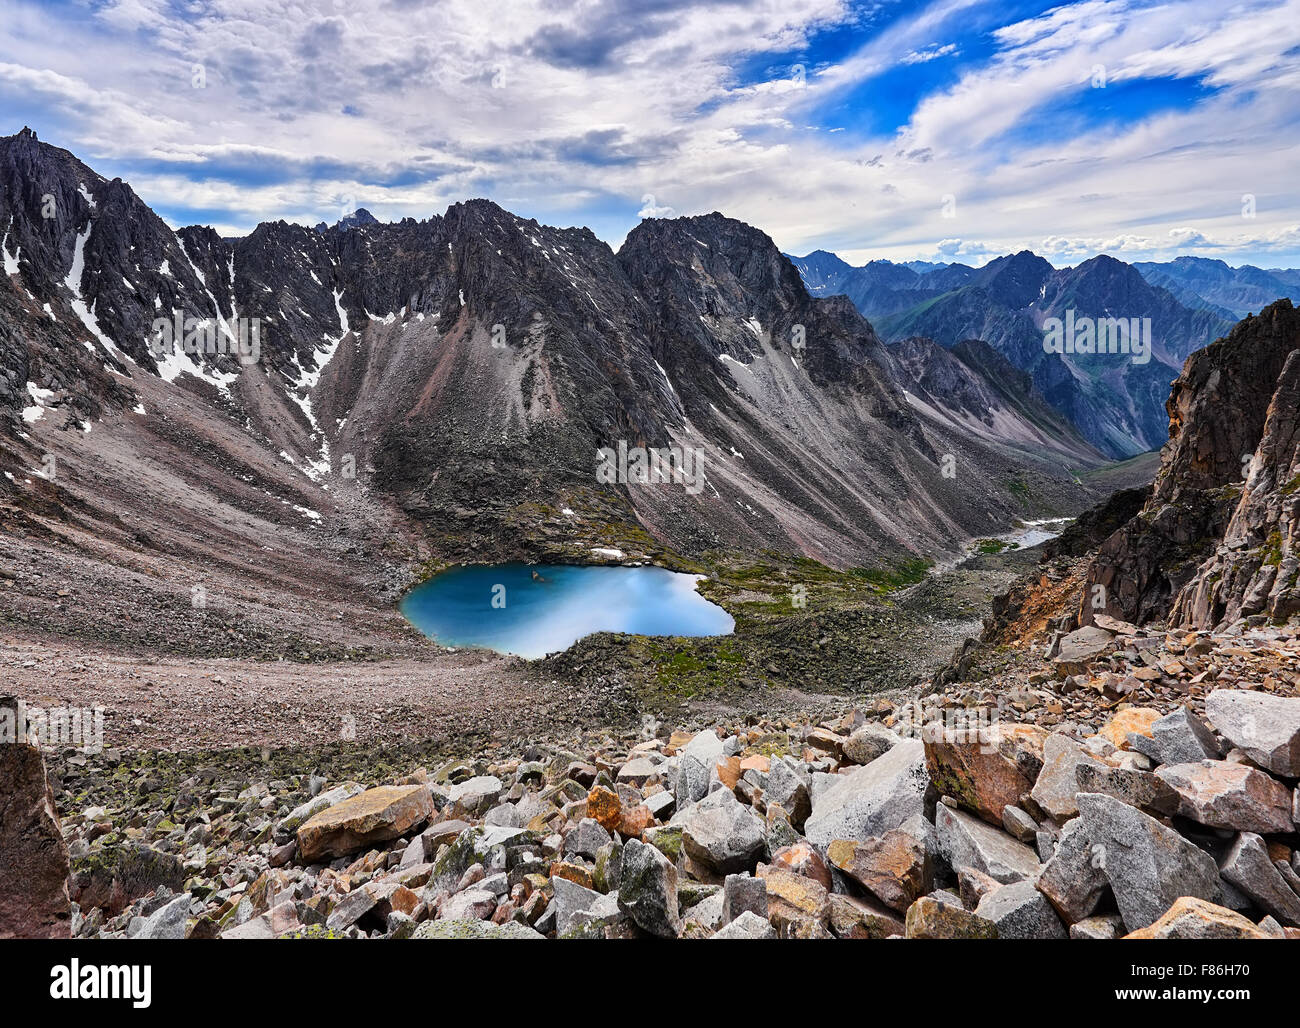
{"type": "Point", "coordinates": [954, 128]}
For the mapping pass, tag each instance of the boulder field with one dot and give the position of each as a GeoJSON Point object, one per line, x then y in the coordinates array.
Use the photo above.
{"type": "Point", "coordinates": [1080, 807]}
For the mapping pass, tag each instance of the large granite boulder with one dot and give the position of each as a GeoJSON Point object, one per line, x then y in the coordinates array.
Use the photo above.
{"type": "Point", "coordinates": [1192, 918]}
{"type": "Point", "coordinates": [647, 890]}
{"type": "Point", "coordinates": [722, 833]}
{"type": "Point", "coordinates": [873, 799]}
{"type": "Point", "coordinates": [897, 867]}
{"type": "Point", "coordinates": [1148, 865]}
{"type": "Point", "coordinates": [1073, 879]}
{"type": "Point", "coordinates": [1058, 782]}
{"type": "Point", "coordinates": [1222, 794]}
{"type": "Point", "coordinates": [987, 770]}
{"type": "Point", "coordinates": [1248, 866]}
{"type": "Point", "coordinates": [966, 841]}
{"type": "Point", "coordinates": [1264, 726]}
{"type": "Point", "coordinates": [1021, 912]}
{"type": "Point", "coordinates": [376, 815]}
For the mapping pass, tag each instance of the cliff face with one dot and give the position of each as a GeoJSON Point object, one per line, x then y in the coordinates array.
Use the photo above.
{"type": "Point", "coordinates": [1216, 540]}
{"type": "Point", "coordinates": [1254, 571]}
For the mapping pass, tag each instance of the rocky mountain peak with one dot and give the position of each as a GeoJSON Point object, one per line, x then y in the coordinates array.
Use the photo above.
{"type": "Point", "coordinates": [1015, 280]}
{"type": "Point", "coordinates": [360, 216]}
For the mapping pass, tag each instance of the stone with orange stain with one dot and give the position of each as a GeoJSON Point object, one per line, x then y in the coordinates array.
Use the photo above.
{"type": "Point", "coordinates": [604, 807]}
{"type": "Point", "coordinates": [376, 815]}
{"type": "Point", "coordinates": [403, 900]}
{"type": "Point", "coordinates": [896, 868]}
{"type": "Point", "coordinates": [792, 898]}
{"type": "Point", "coordinates": [825, 740]}
{"type": "Point", "coordinates": [802, 859]}
{"type": "Point", "coordinates": [757, 762]}
{"type": "Point", "coordinates": [633, 821]}
{"type": "Point", "coordinates": [985, 770]}
{"type": "Point", "coordinates": [728, 771]}
{"type": "Point", "coordinates": [1193, 918]}
{"type": "Point", "coordinates": [1137, 720]}
{"type": "Point", "coordinates": [575, 873]}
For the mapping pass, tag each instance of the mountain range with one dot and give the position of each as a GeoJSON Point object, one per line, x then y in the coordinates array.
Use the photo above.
{"type": "Point", "coordinates": [462, 372]}
{"type": "Point", "coordinates": [1116, 403]}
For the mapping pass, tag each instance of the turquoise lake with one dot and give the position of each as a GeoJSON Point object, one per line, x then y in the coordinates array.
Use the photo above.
{"type": "Point", "coordinates": [534, 616]}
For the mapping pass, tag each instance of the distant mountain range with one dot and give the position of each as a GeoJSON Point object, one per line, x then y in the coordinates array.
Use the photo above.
{"type": "Point", "coordinates": [465, 369]}
{"type": "Point", "coordinates": [1115, 401]}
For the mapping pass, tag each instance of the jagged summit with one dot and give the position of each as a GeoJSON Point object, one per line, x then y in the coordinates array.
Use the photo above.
{"type": "Point", "coordinates": [477, 354]}
{"type": "Point", "coordinates": [1217, 539]}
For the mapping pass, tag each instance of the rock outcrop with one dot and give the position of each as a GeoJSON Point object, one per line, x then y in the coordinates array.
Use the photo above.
{"type": "Point", "coordinates": [1216, 541]}
{"type": "Point", "coordinates": [34, 867]}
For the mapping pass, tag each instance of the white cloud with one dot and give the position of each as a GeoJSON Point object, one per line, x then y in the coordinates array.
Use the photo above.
{"type": "Point", "coordinates": [930, 53]}
{"type": "Point", "coordinates": [579, 112]}
{"type": "Point", "coordinates": [650, 208]}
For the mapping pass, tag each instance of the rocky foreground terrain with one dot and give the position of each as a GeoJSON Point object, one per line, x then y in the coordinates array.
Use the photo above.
{"type": "Point", "coordinates": [1139, 783]}
{"type": "Point", "coordinates": [1118, 754]}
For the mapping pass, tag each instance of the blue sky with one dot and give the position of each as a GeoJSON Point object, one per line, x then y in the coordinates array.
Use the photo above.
{"type": "Point", "coordinates": [952, 130]}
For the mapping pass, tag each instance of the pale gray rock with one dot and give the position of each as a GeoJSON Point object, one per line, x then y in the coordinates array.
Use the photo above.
{"type": "Point", "coordinates": [477, 793]}
{"type": "Point", "coordinates": [869, 742]}
{"type": "Point", "coordinates": [1020, 825]}
{"type": "Point", "coordinates": [1264, 726]}
{"type": "Point", "coordinates": [586, 839]}
{"type": "Point", "coordinates": [722, 833]}
{"type": "Point", "coordinates": [1247, 866]}
{"type": "Point", "coordinates": [692, 782]}
{"type": "Point", "coordinates": [660, 804]}
{"type": "Point", "coordinates": [1145, 745]}
{"type": "Point", "coordinates": [741, 893]}
{"type": "Point", "coordinates": [1079, 648]}
{"type": "Point", "coordinates": [1221, 794]}
{"type": "Point", "coordinates": [505, 814]}
{"type": "Point", "coordinates": [571, 902]}
{"type": "Point", "coordinates": [788, 787]}
{"type": "Point", "coordinates": [870, 800]}
{"type": "Point", "coordinates": [705, 747]}
{"type": "Point", "coordinates": [707, 912]}
{"type": "Point", "coordinates": [475, 903]}
{"type": "Point", "coordinates": [1148, 865]}
{"type": "Point", "coordinates": [1073, 879]}
{"type": "Point", "coordinates": [1270, 927]}
{"type": "Point", "coordinates": [258, 928]}
{"type": "Point", "coordinates": [747, 926]}
{"type": "Point", "coordinates": [461, 929]}
{"type": "Point", "coordinates": [1182, 738]}
{"type": "Point", "coordinates": [167, 922]}
{"type": "Point", "coordinates": [1058, 781]}
{"type": "Point", "coordinates": [1099, 926]}
{"type": "Point", "coordinates": [967, 841]}
{"type": "Point", "coordinates": [1021, 912]}
{"type": "Point", "coordinates": [639, 769]}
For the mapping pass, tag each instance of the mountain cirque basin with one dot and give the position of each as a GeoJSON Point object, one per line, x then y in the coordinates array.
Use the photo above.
{"type": "Point", "coordinates": [532, 610]}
